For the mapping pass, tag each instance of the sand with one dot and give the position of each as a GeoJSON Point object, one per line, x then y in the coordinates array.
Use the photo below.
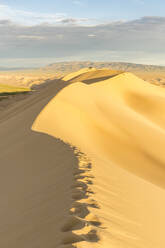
{"type": "Point", "coordinates": [118, 196]}
{"type": "Point", "coordinates": [108, 192]}
{"type": "Point", "coordinates": [36, 174]}
{"type": "Point", "coordinates": [27, 78]}
{"type": "Point", "coordinates": [72, 75]}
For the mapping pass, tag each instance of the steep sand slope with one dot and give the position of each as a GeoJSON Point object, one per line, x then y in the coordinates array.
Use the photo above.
{"type": "Point", "coordinates": [91, 75]}
{"type": "Point", "coordinates": [36, 173]}
{"type": "Point", "coordinates": [72, 75]}
{"type": "Point", "coordinates": [119, 124]}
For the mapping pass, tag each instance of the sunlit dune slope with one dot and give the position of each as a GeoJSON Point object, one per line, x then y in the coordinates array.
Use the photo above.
{"type": "Point", "coordinates": [119, 114]}
{"type": "Point", "coordinates": [119, 124]}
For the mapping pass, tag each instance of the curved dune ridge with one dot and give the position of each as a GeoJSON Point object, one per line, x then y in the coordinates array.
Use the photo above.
{"type": "Point", "coordinates": [91, 75]}
{"type": "Point", "coordinates": [122, 114]}
{"type": "Point", "coordinates": [72, 75]}
{"type": "Point", "coordinates": [119, 124]}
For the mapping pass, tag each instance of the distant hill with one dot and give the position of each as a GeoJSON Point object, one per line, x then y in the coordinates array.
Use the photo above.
{"type": "Point", "coordinates": [67, 67]}
{"type": "Point", "coordinates": [23, 77]}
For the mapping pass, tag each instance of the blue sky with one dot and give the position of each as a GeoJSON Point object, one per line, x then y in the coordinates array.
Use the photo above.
{"type": "Point", "coordinates": [37, 32]}
{"type": "Point", "coordinates": [94, 9]}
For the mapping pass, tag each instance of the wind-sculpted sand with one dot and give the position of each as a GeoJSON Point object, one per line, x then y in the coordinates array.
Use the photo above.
{"type": "Point", "coordinates": [118, 196]}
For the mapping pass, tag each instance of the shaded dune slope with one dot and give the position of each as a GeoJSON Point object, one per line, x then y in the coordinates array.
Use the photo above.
{"type": "Point", "coordinates": [91, 75]}
{"type": "Point", "coordinates": [40, 181]}
{"type": "Point", "coordinates": [36, 174]}
{"type": "Point", "coordinates": [118, 124]}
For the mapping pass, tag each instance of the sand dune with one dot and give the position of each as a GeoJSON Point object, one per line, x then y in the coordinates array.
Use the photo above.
{"type": "Point", "coordinates": [36, 174]}
{"type": "Point", "coordinates": [118, 195]}
{"type": "Point", "coordinates": [91, 75]}
{"type": "Point", "coordinates": [111, 194]}
{"type": "Point", "coordinates": [72, 75]}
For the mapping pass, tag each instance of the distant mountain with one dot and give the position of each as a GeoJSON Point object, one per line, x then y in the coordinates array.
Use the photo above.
{"type": "Point", "coordinates": [67, 67]}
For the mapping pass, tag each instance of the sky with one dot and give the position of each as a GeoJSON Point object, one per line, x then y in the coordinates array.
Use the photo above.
{"type": "Point", "coordinates": [36, 33]}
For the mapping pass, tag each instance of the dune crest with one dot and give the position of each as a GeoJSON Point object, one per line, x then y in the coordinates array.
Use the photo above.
{"type": "Point", "coordinates": [78, 73]}
{"type": "Point", "coordinates": [119, 115]}
{"type": "Point", "coordinates": [118, 124]}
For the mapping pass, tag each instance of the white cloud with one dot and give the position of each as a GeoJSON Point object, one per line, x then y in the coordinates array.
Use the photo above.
{"type": "Point", "coordinates": [31, 37]}
{"type": "Point", "coordinates": [27, 17]}
{"type": "Point", "coordinates": [91, 35]}
{"type": "Point", "coordinates": [33, 18]}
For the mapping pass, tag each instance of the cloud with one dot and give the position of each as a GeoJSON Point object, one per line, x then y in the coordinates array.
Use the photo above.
{"type": "Point", "coordinates": [91, 35]}
{"type": "Point", "coordinates": [34, 18]}
{"type": "Point", "coordinates": [137, 39]}
{"type": "Point", "coordinates": [27, 17]}
{"type": "Point", "coordinates": [31, 37]}
{"type": "Point", "coordinates": [5, 22]}
{"type": "Point", "coordinates": [75, 21]}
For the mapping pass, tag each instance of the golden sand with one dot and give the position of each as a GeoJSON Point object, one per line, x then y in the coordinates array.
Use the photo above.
{"type": "Point", "coordinates": [119, 124]}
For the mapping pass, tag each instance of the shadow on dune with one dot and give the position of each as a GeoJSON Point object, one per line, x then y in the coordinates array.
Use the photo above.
{"type": "Point", "coordinates": [96, 80]}
{"type": "Point", "coordinates": [36, 178]}
{"type": "Point", "coordinates": [92, 80]}
{"type": "Point", "coordinates": [36, 173]}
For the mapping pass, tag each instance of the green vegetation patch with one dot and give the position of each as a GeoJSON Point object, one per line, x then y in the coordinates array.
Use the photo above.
{"type": "Point", "coordinates": [7, 90]}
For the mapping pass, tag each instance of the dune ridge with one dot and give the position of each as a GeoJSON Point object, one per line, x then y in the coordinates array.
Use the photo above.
{"type": "Point", "coordinates": [72, 75]}
{"type": "Point", "coordinates": [122, 104]}
{"type": "Point", "coordinates": [118, 124]}
{"type": "Point", "coordinates": [82, 225]}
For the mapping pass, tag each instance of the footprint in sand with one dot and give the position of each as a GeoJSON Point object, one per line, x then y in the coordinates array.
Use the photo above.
{"type": "Point", "coordinates": [81, 220]}
{"type": "Point", "coordinates": [73, 223]}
